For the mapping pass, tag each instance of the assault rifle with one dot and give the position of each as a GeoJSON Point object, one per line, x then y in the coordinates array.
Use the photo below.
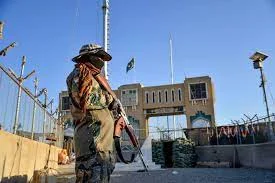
{"type": "Point", "coordinates": [122, 123]}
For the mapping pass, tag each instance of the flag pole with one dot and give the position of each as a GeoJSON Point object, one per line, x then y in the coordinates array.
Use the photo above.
{"type": "Point", "coordinates": [134, 70]}
{"type": "Point", "coordinates": [172, 79]}
{"type": "Point", "coordinates": [106, 24]}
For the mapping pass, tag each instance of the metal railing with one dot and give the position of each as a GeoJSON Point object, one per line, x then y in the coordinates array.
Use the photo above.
{"type": "Point", "coordinates": [34, 121]}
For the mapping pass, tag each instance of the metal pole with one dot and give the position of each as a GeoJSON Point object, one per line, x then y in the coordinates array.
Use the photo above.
{"type": "Point", "coordinates": [51, 114]}
{"type": "Point", "coordinates": [105, 9]}
{"type": "Point", "coordinates": [237, 137]}
{"type": "Point", "coordinates": [19, 95]}
{"type": "Point", "coordinates": [45, 109]}
{"type": "Point", "coordinates": [1, 29]}
{"type": "Point", "coordinates": [34, 105]}
{"type": "Point", "coordinates": [239, 134]}
{"type": "Point", "coordinates": [207, 132]}
{"type": "Point", "coordinates": [252, 127]}
{"type": "Point", "coordinates": [171, 61]}
{"type": "Point", "coordinates": [217, 135]}
{"type": "Point", "coordinates": [253, 131]}
{"type": "Point", "coordinates": [172, 80]}
{"type": "Point", "coordinates": [271, 136]}
{"type": "Point", "coordinates": [168, 127]}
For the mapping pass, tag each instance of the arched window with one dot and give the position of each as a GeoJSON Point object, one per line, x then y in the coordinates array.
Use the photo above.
{"type": "Point", "coordinates": [166, 96]}
{"type": "Point", "coordinates": [147, 97]}
{"type": "Point", "coordinates": [179, 94]}
{"type": "Point", "coordinates": [173, 95]}
{"type": "Point", "coordinates": [159, 97]}
{"type": "Point", "coordinates": [153, 96]}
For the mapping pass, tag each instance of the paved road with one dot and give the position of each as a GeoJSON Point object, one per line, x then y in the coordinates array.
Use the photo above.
{"type": "Point", "coordinates": [187, 175]}
{"type": "Point", "coordinates": [196, 175]}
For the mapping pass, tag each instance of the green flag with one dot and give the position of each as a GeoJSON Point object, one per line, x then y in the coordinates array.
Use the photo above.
{"type": "Point", "coordinates": [130, 65]}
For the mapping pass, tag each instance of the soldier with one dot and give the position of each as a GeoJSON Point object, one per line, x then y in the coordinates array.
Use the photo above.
{"type": "Point", "coordinates": [91, 108]}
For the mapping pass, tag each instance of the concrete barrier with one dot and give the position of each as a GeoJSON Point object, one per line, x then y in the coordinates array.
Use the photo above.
{"type": "Point", "coordinates": [19, 157]}
{"type": "Point", "coordinates": [249, 155]}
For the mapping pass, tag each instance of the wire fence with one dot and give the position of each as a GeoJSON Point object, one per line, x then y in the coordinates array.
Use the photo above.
{"type": "Point", "coordinates": [250, 131]}
{"type": "Point", "coordinates": [34, 121]}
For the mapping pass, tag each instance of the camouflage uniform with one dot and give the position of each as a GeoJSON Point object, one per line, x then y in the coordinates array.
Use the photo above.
{"type": "Point", "coordinates": [93, 132]}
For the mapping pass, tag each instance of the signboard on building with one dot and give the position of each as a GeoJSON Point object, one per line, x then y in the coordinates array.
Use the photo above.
{"type": "Point", "coordinates": [165, 110]}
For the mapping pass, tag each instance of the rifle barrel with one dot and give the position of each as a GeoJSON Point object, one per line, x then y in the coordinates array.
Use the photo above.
{"type": "Point", "coordinates": [142, 160]}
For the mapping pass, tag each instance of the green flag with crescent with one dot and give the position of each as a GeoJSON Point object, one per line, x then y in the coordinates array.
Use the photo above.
{"type": "Point", "coordinates": [130, 65]}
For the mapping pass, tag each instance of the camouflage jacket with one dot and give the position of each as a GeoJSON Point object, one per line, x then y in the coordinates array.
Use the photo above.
{"type": "Point", "coordinates": [98, 98]}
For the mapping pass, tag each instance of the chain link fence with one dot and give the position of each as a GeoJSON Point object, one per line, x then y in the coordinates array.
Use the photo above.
{"type": "Point", "coordinates": [34, 121]}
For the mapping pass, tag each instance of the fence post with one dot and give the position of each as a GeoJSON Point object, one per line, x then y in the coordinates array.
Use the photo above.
{"type": "Point", "coordinates": [217, 135]}
{"type": "Point", "coordinates": [20, 79]}
{"type": "Point", "coordinates": [34, 105]}
{"type": "Point", "coordinates": [45, 112]}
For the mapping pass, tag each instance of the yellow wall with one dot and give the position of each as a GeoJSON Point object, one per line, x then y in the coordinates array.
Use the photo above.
{"type": "Point", "coordinates": [21, 156]}
{"type": "Point", "coordinates": [206, 106]}
{"type": "Point", "coordinates": [191, 108]}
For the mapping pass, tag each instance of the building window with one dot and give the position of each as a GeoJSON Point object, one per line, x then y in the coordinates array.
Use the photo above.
{"type": "Point", "coordinates": [65, 103]}
{"type": "Point", "coordinates": [147, 97]}
{"type": "Point", "coordinates": [198, 91]}
{"type": "Point", "coordinates": [129, 97]}
{"type": "Point", "coordinates": [159, 97]}
{"type": "Point", "coordinates": [166, 96]}
{"type": "Point", "coordinates": [173, 95]}
{"type": "Point", "coordinates": [179, 93]}
{"type": "Point", "coordinates": [153, 95]}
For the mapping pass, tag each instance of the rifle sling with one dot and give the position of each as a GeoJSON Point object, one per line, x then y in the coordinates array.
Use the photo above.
{"type": "Point", "coordinates": [103, 82]}
{"type": "Point", "coordinates": [119, 152]}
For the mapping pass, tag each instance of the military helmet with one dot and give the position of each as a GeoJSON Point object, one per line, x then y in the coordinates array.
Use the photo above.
{"type": "Point", "coordinates": [93, 49]}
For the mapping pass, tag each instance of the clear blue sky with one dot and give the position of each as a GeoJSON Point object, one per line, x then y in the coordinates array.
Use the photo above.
{"type": "Point", "coordinates": [210, 37]}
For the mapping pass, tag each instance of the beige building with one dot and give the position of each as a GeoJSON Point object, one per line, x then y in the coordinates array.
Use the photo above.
{"type": "Point", "coordinates": [193, 98]}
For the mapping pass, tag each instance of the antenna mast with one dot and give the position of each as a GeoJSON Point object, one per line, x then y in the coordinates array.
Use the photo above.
{"type": "Point", "coordinates": [106, 24]}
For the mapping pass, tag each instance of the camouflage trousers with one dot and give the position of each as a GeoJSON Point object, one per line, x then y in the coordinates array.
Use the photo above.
{"type": "Point", "coordinates": [96, 168]}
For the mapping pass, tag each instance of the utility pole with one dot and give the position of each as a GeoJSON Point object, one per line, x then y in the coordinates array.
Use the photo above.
{"type": "Point", "coordinates": [20, 80]}
{"type": "Point", "coordinates": [106, 24]}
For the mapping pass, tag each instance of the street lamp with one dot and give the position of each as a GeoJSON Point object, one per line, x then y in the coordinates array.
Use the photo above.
{"type": "Point", "coordinates": [258, 59]}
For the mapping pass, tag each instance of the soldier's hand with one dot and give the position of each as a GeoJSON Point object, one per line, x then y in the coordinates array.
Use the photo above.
{"type": "Point", "coordinates": [114, 106]}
